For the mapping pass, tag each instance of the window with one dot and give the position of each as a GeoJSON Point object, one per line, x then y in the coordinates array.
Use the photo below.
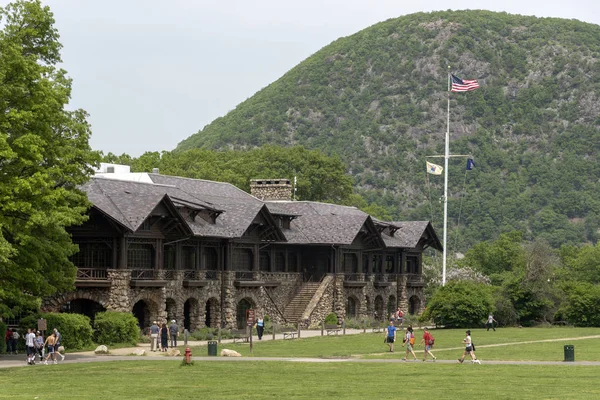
{"type": "Point", "coordinates": [389, 264]}
{"type": "Point", "coordinates": [190, 254]}
{"type": "Point", "coordinates": [169, 257]}
{"type": "Point", "coordinates": [210, 259]}
{"type": "Point", "coordinates": [140, 256]}
{"type": "Point", "coordinates": [280, 261]}
{"type": "Point", "coordinates": [265, 261]}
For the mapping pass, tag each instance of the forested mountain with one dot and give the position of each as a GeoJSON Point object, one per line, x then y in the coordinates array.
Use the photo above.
{"type": "Point", "coordinates": [377, 99]}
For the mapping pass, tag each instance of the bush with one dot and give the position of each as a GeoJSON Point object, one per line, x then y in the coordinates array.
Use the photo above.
{"type": "Point", "coordinates": [582, 304]}
{"type": "Point", "coordinates": [75, 329]}
{"type": "Point", "coordinates": [2, 342]}
{"type": "Point", "coordinates": [331, 318]}
{"type": "Point", "coordinates": [116, 327]}
{"type": "Point", "coordinates": [460, 304]}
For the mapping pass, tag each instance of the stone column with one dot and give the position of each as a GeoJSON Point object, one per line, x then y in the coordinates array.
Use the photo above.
{"type": "Point", "coordinates": [339, 304]}
{"type": "Point", "coordinates": [402, 294]}
{"type": "Point", "coordinates": [228, 306]}
{"type": "Point", "coordinates": [119, 295]}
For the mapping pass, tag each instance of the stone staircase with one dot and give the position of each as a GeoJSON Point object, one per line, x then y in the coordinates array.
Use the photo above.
{"type": "Point", "coordinates": [294, 310]}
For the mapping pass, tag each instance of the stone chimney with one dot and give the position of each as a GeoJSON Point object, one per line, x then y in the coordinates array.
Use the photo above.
{"type": "Point", "coordinates": [271, 189]}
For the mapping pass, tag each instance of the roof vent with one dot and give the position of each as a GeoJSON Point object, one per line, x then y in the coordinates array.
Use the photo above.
{"type": "Point", "coordinates": [110, 170]}
{"type": "Point", "coordinates": [155, 171]}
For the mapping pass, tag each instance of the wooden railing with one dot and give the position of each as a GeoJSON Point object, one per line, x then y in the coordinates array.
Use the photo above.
{"type": "Point", "coordinates": [91, 274]}
{"type": "Point", "coordinates": [354, 277]}
{"type": "Point", "coordinates": [244, 275]}
{"type": "Point", "coordinates": [143, 274]}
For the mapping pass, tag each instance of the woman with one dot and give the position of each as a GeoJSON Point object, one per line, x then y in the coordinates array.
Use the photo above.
{"type": "Point", "coordinates": [260, 327]}
{"type": "Point", "coordinates": [469, 349]}
{"type": "Point", "coordinates": [164, 337]}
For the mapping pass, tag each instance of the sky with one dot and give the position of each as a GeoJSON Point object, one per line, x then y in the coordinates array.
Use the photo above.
{"type": "Point", "coordinates": [151, 73]}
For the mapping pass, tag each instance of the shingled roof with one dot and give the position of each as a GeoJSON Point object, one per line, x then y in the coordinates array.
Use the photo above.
{"type": "Point", "coordinates": [129, 203]}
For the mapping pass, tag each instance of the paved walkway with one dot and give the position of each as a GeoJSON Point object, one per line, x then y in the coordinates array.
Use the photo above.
{"type": "Point", "coordinates": [124, 354]}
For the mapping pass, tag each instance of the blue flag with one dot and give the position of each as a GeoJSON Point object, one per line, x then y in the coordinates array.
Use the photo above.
{"type": "Point", "coordinates": [470, 164]}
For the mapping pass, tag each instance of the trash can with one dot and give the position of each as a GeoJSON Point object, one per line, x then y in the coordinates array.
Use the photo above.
{"type": "Point", "coordinates": [212, 348]}
{"type": "Point", "coordinates": [569, 352]}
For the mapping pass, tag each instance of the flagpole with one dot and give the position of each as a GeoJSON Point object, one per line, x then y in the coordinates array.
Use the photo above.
{"type": "Point", "coordinates": [446, 156]}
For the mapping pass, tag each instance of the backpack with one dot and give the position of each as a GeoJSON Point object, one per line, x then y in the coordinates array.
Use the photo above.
{"type": "Point", "coordinates": [431, 341]}
{"type": "Point", "coordinates": [412, 339]}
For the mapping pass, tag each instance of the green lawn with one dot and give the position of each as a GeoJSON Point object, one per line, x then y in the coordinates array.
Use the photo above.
{"type": "Point", "coordinates": [448, 345]}
{"type": "Point", "coordinates": [285, 380]}
{"type": "Point", "coordinates": [360, 379]}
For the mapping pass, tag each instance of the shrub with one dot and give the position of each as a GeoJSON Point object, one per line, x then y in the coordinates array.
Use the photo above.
{"type": "Point", "coordinates": [460, 304]}
{"type": "Point", "coordinates": [582, 304]}
{"type": "Point", "coordinates": [116, 327]}
{"type": "Point", "coordinates": [331, 318]}
{"type": "Point", "coordinates": [75, 329]}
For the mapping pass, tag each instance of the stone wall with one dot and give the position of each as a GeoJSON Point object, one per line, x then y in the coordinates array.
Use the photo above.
{"type": "Point", "coordinates": [221, 297]}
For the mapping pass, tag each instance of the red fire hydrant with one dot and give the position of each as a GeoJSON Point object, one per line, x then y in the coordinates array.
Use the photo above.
{"type": "Point", "coordinates": [188, 355]}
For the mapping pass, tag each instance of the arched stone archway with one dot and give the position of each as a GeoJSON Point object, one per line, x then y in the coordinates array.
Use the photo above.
{"type": "Point", "coordinates": [391, 306]}
{"type": "Point", "coordinates": [145, 311]}
{"type": "Point", "coordinates": [379, 308]}
{"type": "Point", "coordinates": [191, 314]}
{"type": "Point", "coordinates": [351, 305]}
{"type": "Point", "coordinates": [212, 317]}
{"type": "Point", "coordinates": [414, 305]}
{"type": "Point", "coordinates": [243, 305]}
{"type": "Point", "coordinates": [86, 307]}
{"type": "Point", "coordinates": [171, 308]}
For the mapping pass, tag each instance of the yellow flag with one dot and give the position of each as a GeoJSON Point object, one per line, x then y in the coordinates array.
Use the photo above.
{"type": "Point", "coordinates": [434, 169]}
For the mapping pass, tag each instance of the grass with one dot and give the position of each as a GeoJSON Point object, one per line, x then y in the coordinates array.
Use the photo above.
{"type": "Point", "coordinates": [277, 380]}
{"type": "Point", "coordinates": [506, 344]}
{"type": "Point", "coordinates": [359, 379]}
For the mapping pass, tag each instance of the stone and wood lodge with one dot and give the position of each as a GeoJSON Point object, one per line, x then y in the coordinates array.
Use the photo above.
{"type": "Point", "coordinates": [203, 252]}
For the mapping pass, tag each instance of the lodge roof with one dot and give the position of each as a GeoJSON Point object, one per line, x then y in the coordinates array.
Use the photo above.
{"type": "Point", "coordinates": [130, 203]}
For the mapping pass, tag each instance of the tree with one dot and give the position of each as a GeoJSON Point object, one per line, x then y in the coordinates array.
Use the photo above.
{"type": "Point", "coordinates": [460, 304]}
{"type": "Point", "coordinates": [44, 156]}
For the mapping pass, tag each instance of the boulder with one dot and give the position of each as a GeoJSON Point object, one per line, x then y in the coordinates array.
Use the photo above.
{"type": "Point", "coordinates": [230, 353]}
{"type": "Point", "coordinates": [173, 352]}
{"type": "Point", "coordinates": [139, 352]}
{"type": "Point", "coordinates": [102, 349]}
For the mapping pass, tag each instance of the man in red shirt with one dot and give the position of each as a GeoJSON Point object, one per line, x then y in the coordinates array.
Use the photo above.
{"type": "Point", "coordinates": [428, 340]}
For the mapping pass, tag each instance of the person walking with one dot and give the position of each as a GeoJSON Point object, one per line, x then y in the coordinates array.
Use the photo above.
{"type": "Point", "coordinates": [39, 345]}
{"type": "Point", "coordinates": [58, 344]}
{"type": "Point", "coordinates": [469, 349]}
{"type": "Point", "coordinates": [409, 341]}
{"type": "Point", "coordinates": [164, 337]}
{"type": "Point", "coordinates": [260, 327]}
{"type": "Point", "coordinates": [390, 336]}
{"type": "Point", "coordinates": [428, 340]}
{"type": "Point", "coordinates": [15, 340]}
{"type": "Point", "coordinates": [30, 346]}
{"type": "Point", "coordinates": [8, 340]}
{"type": "Point", "coordinates": [154, 329]}
{"type": "Point", "coordinates": [173, 331]}
{"type": "Point", "coordinates": [490, 322]}
{"type": "Point", "coordinates": [50, 341]}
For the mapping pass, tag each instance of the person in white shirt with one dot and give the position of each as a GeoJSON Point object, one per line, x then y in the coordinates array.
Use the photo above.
{"type": "Point", "coordinates": [490, 322]}
{"type": "Point", "coordinates": [30, 346]}
{"type": "Point", "coordinates": [469, 349]}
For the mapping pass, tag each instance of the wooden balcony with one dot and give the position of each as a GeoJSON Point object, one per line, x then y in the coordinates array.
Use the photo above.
{"type": "Point", "coordinates": [148, 278]}
{"type": "Point", "coordinates": [248, 279]}
{"type": "Point", "coordinates": [415, 280]}
{"type": "Point", "coordinates": [195, 278]}
{"type": "Point", "coordinates": [92, 277]}
{"type": "Point", "coordinates": [354, 280]}
{"type": "Point", "coordinates": [383, 280]}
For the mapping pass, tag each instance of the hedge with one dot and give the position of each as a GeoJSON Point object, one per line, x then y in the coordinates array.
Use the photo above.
{"type": "Point", "coordinates": [75, 329]}
{"type": "Point", "coordinates": [116, 327]}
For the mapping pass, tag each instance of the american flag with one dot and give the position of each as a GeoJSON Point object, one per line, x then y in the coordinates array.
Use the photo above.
{"type": "Point", "coordinates": [463, 85]}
